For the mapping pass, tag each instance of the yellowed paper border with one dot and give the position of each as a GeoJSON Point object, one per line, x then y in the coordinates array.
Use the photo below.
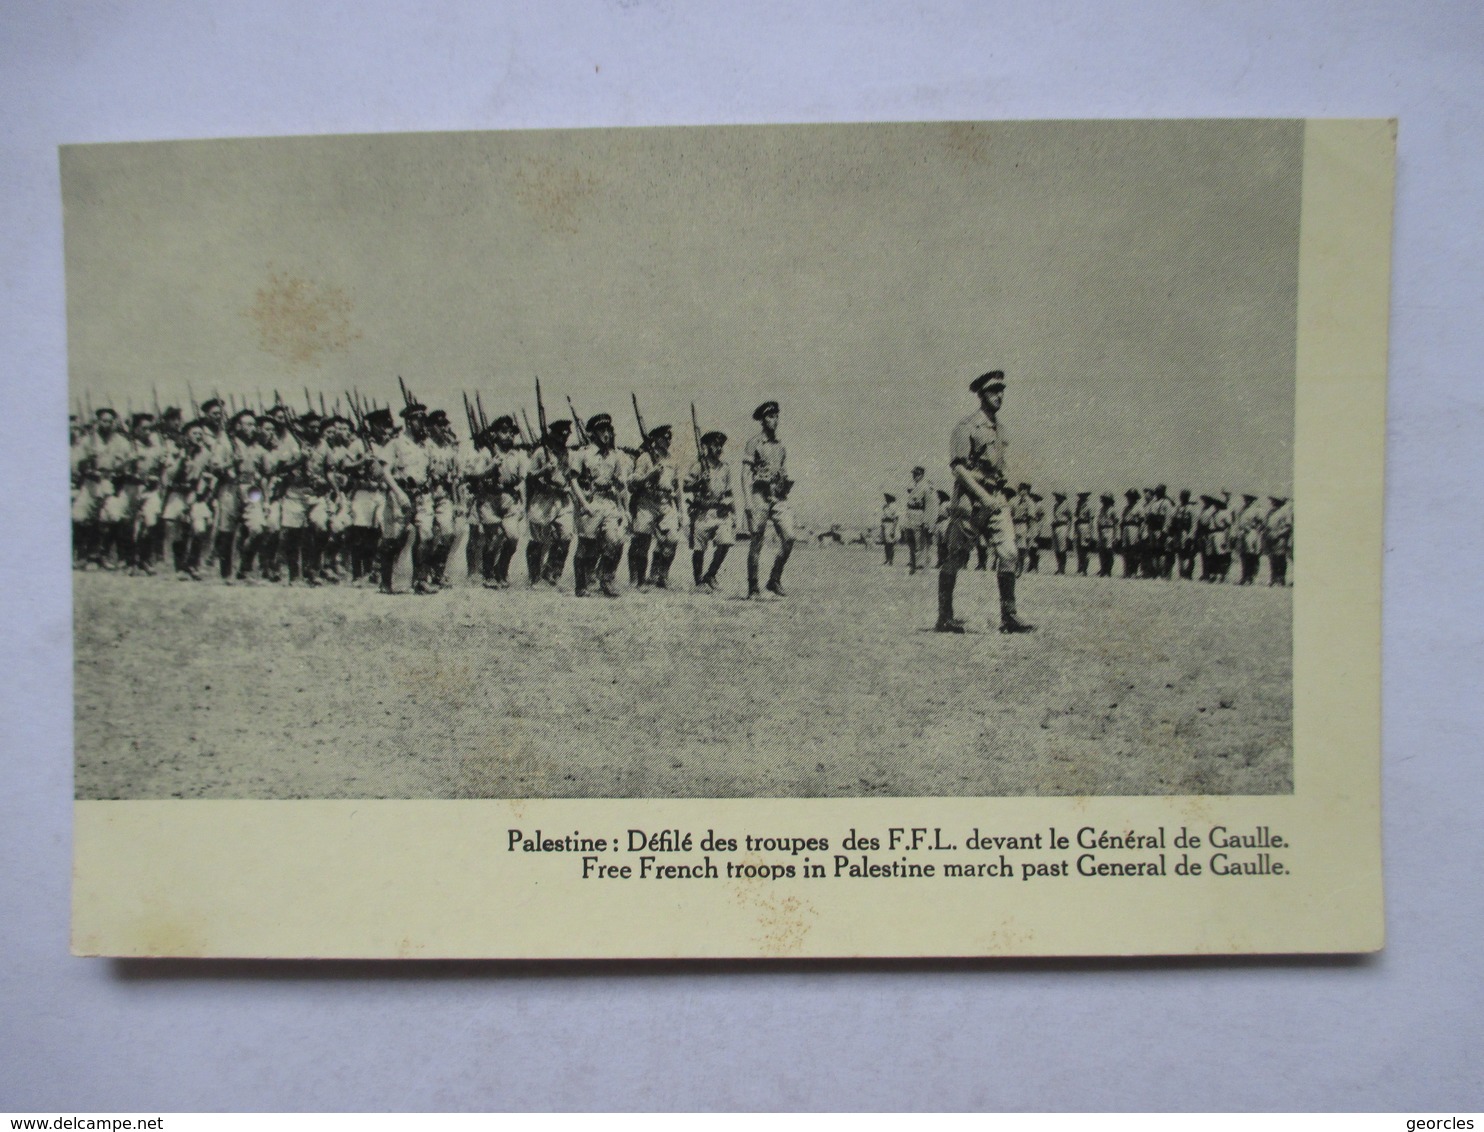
{"type": "Point", "coordinates": [426, 879]}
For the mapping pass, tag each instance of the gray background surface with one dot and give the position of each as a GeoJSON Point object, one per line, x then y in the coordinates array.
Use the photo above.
{"type": "Point", "coordinates": [1398, 1031]}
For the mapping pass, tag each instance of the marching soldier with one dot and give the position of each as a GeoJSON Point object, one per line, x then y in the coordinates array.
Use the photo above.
{"type": "Point", "coordinates": [499, 501]}
{"type": "Point", "coordinates": [1108, 524]}
{"type": "Point", "coordinates": [656, 488]}
{"type": "Point", "coordinates": [445, 475]}
{"type": "Point", "coordinates": [712, 510]}
{"type": "Point", "coordinates": [549, 505]}
{"type": "Point", "coordinates": [890, 522]}
{"type": "Point", "coordinates": [97, 510]}
{"type": "Point", "coordinates": [1278, 536]}
{"type": "Point", "coordinates": [406, 512]}
{"type": "Point", "coordinates": [978, 452]}
{"type": "Point", "coordinates": [1084, 524]}
{"type": "Point", "coordinates": [152, 457]}
{"type": "Point", "coordinates": [601, 473]}
{"type": "Point", "coordinates": [1061, 529]}
{"type": "Point", "coordinates": [190, 482]}
{"type": "Point", "coordinates": [765, 487]}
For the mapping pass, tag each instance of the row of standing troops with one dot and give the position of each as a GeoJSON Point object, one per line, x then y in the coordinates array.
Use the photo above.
{"type": "Point", "coordinates": [325, 498]}
{"type": "Point", "coordinates": [1152, 534]}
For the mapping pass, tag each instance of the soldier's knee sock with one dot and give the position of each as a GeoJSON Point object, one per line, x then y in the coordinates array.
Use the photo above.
{"type": "Point", "coordinates": [697, 562]}
{"type": "Point", "coordinates": [1006, 582]}
{"type": "Point", "coordinates": [946, 581]}
{"type": "Point", "coordinates": [535, 554]}
{"type": "Point", "coordinates": [477, 553]}
{"type": "Point", "coordinates": [195, 544]}
{"type": "Point", "coordinates": [489, 556]}
{"type": "Point", "coordinates": [1061, 561]}
{"type": "Point", "coordinates": [911, 554]}
{"type": "Point", "coordinates": [638, 559]}
{"type": "Point", "coordinates": [982, 557]}
{"type": "Point", "coordinates": [224, 540]}
{"type": "Point", "coordinates": [754, 563]}
{"type": "Point", "coordinates": [556, 559]}
{"type": "Point", "coordinates": [502, 566]}
{"type": "Point", "coordinates": [775, 576]}
{"type": "Point", "coordinates": [716, 560]}
{"type": "Point", "coordinates": [608, 561]}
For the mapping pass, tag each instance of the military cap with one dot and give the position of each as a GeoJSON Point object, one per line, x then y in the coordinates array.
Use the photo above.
{"type": "Point", "coordinates": [1025, 487]}
{"type": "Point", "coordinates": [414, 409]}
{"type": "Point", "coordinates": [943, 496]}
{"type": "Point", "coordinates": [1107, 496]}
{"type": "Point", "coordinates": [279, 410]}
{"type": "Point", "coordinates": [211, 403]}
{"type": "Point", "coordinates": [379, 418]}
{"type": "Point", "coordinates": [715, 436]}
{"type": "Point", "coordinates": [140, 418]}
{"type": "Point", "coordinates": [238, 415]}
{"type": "Point", "coordinates": [105, 410]}
{"type": "Point", "coordinates": [764, 409]}
{"type": "Point", "coordinates": [1277, 499]}
{"type": "Point", "coordinates": [1159, 489]}
{"type": "Point", "coordinates": [660, 430]}
{"type": "Point", "coordinates": [919, 468]}
{"type": "Point", "coordinates": [1083, 494]}
{"type": "Point", "coordinates": [995, 377]}
{"type": "Point", "coordinates": [561, 428]}
{"type": "Point", "coordinates": [309, 418]}
{"type": "Point", "coordinates": [199, 422]}
{"type": "Point", "coordinates": [890, 498]}
{"type": "Point", "coordinates": [438, 417]}
{"type": "Point", "coordinates": [505, 423]}
{"type": "Point", "coordinates": [599, 420]}
{"type": "Point", "coordinates": [1248, 495]}
{"type": "Point", "coordinates": [171, 413]}
{"type": "Point", "coordinates": [330, 422]}
{"type": "Point", "coordinates": [1185, 495]}
{"type": "Point", "coordinates": [1058, 495]}
{"type": "Point", "coordinates": [1036, 497]}
{"type": "Point", "coordinates": [1131, 493]}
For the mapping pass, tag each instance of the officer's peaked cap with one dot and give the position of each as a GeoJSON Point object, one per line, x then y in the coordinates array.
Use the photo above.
{"type": "Point", "coordinates": [764, 409]}
{"type": "Point", "coordinates": [715, 436]}
{"type": "Point", "coordinates": [598, 421]}
{"type": "Point", "coordinates": [661, 430]}
{"type": "Point", "coordinates": [414, 409]}
{"type": "Point", "coordinates": [380, 418]}
{"type": "Point", "coordinates": [995, 377]}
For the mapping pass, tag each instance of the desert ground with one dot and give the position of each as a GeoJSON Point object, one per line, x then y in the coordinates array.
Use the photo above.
{"type": "Point", "coordinates": [198, 690]}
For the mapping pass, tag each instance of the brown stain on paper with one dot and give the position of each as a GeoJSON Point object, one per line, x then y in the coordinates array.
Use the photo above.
{"type": "Point", "coordinates": [783, 920]}
{"type": "Point", "coordinates": [553, 193]}
{"type": "Point", "coordinates": [300, 321]}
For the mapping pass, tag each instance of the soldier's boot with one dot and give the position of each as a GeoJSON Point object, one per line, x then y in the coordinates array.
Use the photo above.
{"type": "Point", "coordinates": [1009, 622]}
{"type": "Point", "coordinates": [947, 622]}
{"type": "Point", "coordinates": [585, 566]}
{"type": "Point", "coordinates": [224, 541]}
{"type": "Point", "coordinates": [638, 560]}
{"type": "Point", "coordinates": [476, 552]}
{"type": "Point", "coordinates": [387, 552]}
{"type": "Point", "coordinates": [1061, 561]}
{"type": "Point", "coordinates": [535, 557]}
{"type": "Point", "coordinates": [775, 576]}
{"type": "Point", "coordinates": [709, 578]}
{"type": "Point", "coordinates": [911, 555]}
{"type": "Point", "coordinates": [1278, 570]}
{"type": "Point", "coordinates": [1034, 565]}
{"type": "Point", "coordinates": [697, 565]}
{"type": "Point", "coordinates": [981, 554]}
{"type": "Point", "coordinates": [556, 560]}
{"type": "Point", "coordinates": [289, 542]}
{"type": "Point", "coordinates": [608, 571]}
{"type": "Point", "coordinates": [753, 590]}
{"type": "Point", "coordinates": [79, 544]}
{"type": "Point", "coordinates": [195, 547]}
{"type": "Point", "coordinates": [502, 564]}
{"type": "Point", "coordinates": [1081, 562]}
{"type": "Point", "coordinates": [891, 552]}
{"type": "Point", "coordinates": [660, 574]}
{"type": "Point", "coordinates": [489, 558]}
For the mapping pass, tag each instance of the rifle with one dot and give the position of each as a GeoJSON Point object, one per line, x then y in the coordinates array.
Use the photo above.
{"type": "Point", "coordinates": [577, 423]}
{"type": "Point", "coordinates": [695, 428]}
{"type": "Point", "coordinates": [308, 404]}
{"type": "Point", "coordinates": [484, 423]}
{"type": "Point", "coordinates": [639, 417]}
{"type": "Point", "coordinates": [526, 430]}
{"type": "Point", "coordinates": [540, 411]}
{"type": "Point", "coordinates": [407, 397]}
{"type": "Point", "coordinates": [154, 394]}
{"type": "Point", "coordinates": [474, 430]}
{"type": "Point", "coordinates": [191, 395]}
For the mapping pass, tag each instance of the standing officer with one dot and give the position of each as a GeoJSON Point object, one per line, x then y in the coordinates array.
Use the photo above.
{"type": "Point", "coordinates": [1061, 529]}
{"type": "Point", "coordinates": [922, 511]}
{"type": "Point", "coordinates": [890, 522]}
{"type": "Point", "coordinates": [978, 508]}
{"type": "Point", "coordinates": [765, 488]}
{"type": "Point", "coordinates": [1085, 530]}
{"type": "Point", "coordinates": [1108, 524]}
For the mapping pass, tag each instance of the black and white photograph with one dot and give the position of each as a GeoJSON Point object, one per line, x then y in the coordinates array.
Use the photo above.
{"type": "Point", "coordinates": [831, 461]}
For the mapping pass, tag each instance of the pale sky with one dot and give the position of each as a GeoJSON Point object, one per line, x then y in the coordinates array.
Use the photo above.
{"type": "Point", "coordinates": [1136, 281]}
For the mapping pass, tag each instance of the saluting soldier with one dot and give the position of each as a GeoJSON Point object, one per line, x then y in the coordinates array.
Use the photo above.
{"type": "Point", "coordinates": [765, 490]}
{"type": "Point", "coordinates": [1108, 524]}
{"type": "Point", "coordinates": [656, 489]}
{"type": "Point", "coordinates": [712, 510]}
{"type": "Point", "coordinates": [601, 473]}
{"type": "Point", "coordinates": [1061, 529]}
{"type": "Point", "coordinates": [977, 457]}
{"type": "Point", "coordinates": [1085, 530]}
{"type": "Point", "coordinates": [891, 520]}
{"type": "Point", "coordinates": [1278, 539]}
{"type": "Point", "coordinates": [549, 505]}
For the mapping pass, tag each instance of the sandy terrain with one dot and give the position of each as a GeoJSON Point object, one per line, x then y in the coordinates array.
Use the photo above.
{"type": "Point", "coordinates": [203, 691]}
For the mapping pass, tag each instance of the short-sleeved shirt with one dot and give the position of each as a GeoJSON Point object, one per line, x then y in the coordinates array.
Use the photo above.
{"type": "Point", "coordinates": [763, 463]}
{"type": "Point", "coordinates": [981, 444]}
{"type": "Point", "coordinates": [547, 473]}
{"type": "Point", "coordinates": [664, 490]}
{"type": "Point", "coordinates": [602, 473]}
{"type": "Point", "coordinates": [405, 460]}
{"type": "Point", "coordinates": [111, 457]}
{"type": "Point", "coordinates": [710, 485]}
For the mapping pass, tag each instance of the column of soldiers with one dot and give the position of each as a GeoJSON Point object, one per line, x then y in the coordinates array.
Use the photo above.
{"type": "Point", "coordinates": [280, 496]}
{"type": "Point", "coordinates": [1151, 536]}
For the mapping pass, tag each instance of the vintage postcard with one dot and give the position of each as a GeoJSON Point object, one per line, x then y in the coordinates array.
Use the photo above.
{"type": "Point", "coordinates": [819, 540]}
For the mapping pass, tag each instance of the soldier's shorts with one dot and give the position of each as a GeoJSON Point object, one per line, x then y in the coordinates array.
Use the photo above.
{"type": "Point", "coordinates": [228, 507]}
{"type": "Point", "coordinates": [340, 515]}
{"type": "Point", "coordinates": [659, 518]}
{"type": "Point", "coordinates": [1022, 536]}
{"type": "Point", "coordinates": [550, 517]}
{"type": "Point", "coordinates": [967, 527]}
{"type": "Point", "coordinates": [175, 507]}
{"type": "Point", "coordinates": [779, 513]}
{"type": "Point", "coordinates": [1061, 539]}
{"type": "Point", "coordinates": [89, 501]}
{"type": "Point", "coordinates": [151, 505]}
{"type": "Point", "coordinates": [254, 512]}
{"type": "Point", "coordinates": [293, 509]}
{"type": "Point", "coordinates": [317, 512]}
{"type": "Point", "coordinates": [604, 521]}
{"type": "Point", "coordinates": [365, 507]}
{"type": "Point", "coordinates": [181, 509]}
{"type": "Point", "coordinates": [444, 516]}
{"type": "Point", "coordinates": [117, 508]}
{"type": "Point", "coordinates": [712, 529]}
{"type": "Point", "coordinates": [506, 512]}
{"type": "Point", "coordinates": [397, 519]}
